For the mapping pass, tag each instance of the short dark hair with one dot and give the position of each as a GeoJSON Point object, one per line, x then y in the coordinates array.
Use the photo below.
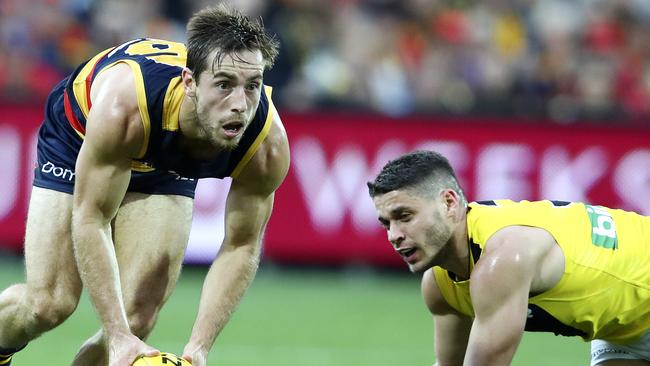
{"type": "Point", "coordinates": [229, 31]}
{"type": "Point", "coordinates": [421, 170]}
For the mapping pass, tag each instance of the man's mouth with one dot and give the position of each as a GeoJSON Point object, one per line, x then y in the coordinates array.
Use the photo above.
{"type": "Point", "coordinates": [232, 129]}
{"type": "Point", "coordinates": [407, 253]}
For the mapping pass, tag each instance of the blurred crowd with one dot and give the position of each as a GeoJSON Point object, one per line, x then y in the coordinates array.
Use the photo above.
{"type": "Point", "coordinates": [563, 60]}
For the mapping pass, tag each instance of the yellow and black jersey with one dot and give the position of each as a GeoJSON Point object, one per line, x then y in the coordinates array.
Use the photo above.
{"type": "Point", "coordinates": [605, 290]}
{"type": "Point", "coordinates": [157, 66]}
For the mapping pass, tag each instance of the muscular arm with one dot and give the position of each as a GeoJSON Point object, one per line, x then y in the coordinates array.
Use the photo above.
{"type": "Point", "coordinates": [248, 209]}
{"type": "Point", "coordinates": [451, 327]}
{"type": "Point", "coordinates": [515, 261]}
{"type": "Point", "coordinates": [103, 171]}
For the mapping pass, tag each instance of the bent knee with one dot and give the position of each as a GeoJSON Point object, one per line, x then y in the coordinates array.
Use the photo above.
{"type": "Point", "coordinates": [142, 322]}
{"type": "Point", "coordinates": [49, 310]}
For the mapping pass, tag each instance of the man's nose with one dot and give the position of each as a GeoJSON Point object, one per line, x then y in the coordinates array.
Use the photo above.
{"type": "Point", "coordinates": [238, 100]}
{"type": "Point", "coordinates": [395, 236]}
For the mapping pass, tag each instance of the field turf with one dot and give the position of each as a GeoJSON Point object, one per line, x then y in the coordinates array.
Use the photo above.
{"type": "Point", "coordinates": [298, 317]}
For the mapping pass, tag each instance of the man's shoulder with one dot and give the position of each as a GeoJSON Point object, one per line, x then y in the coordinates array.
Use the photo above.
{"type": "Point", "coordinates": [114, 98]}
{"type": "Point", "coordinates": [120, 84]}
{"type": "Point", "coordinates": [269, 165]}
{"type": "Point", "coordinates": [432, 294]}
{"type": "Point", "coordinates": [274, 151]}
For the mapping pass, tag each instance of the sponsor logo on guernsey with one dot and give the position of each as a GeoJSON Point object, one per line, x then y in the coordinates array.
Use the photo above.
{"type": "Point", "coordinates": [603, 229]}
{"type": "Point", "coordinates": [179, 177]}
{"type": "Point", "coordinates": [61, 173]}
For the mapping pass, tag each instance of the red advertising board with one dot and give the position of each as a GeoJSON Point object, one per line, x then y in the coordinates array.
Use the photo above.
{"type": "Point", "coordinates": [322, 212]}
{"type": "Point", "coordinates": [18, 128]}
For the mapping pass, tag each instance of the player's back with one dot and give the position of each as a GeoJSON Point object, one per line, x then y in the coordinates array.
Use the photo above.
{"type": "Point", "coordinates": [157, 66]}
{"type": "Point", "coordinates": [606, 282]}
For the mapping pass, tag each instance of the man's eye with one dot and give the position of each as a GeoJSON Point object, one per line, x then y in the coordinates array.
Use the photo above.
{"type": "Point", "coordinates": [253, 86]}
{"type": "Point", "coordinates": [222, 85]}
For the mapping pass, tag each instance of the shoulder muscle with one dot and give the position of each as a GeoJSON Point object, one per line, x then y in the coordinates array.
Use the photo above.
{"type": "Point", "coordinates": [432, 296]}
{"type": "Point", "coordinates": [115, 113]}
{"type": "Point", "coordinates": [270, 164]}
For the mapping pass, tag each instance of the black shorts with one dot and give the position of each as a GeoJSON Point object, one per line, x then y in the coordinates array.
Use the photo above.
{"type": "Point", "coordinates": [58, 146]}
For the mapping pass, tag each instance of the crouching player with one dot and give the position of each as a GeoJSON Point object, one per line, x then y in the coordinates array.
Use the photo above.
{"type": "Point", "coordinates": [125, 139]}
{"type": "Point", "coordinates": [493, 269]}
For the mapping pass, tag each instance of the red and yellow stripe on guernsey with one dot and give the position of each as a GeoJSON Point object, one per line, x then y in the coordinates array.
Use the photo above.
{"type": "Point", "coordinates": [81, 89]}
{"type": "Point", "coordinates": [258, 141]}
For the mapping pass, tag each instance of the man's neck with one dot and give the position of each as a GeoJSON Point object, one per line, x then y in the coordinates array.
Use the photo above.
{"type": "Point", "coordinates": [457, 258]}
{"type": "Point", "coordinates": [188, 120]}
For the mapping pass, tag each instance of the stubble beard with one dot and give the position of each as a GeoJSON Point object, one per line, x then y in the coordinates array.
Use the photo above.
{"type": "Point", "coordinates": [212, 134]}
{"type": "Point", "coordinates": [438, 237]}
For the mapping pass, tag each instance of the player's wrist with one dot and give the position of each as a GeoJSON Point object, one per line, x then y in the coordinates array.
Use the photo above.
{"type": "Point", "coordinates": [196, 346]}
{"type": "Point", "coordinates": [116, 333]}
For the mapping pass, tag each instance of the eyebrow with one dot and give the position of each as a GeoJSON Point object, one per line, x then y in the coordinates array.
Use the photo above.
{"type": "Point", "coordinates": [233, 76]}
{"type": "Point", "coordinates": [395, 212]}
{"type": "Point", "coordinates": [398, 210]}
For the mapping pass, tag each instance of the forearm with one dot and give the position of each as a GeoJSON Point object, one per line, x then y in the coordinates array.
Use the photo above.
{"type": "Point", "coordinates": [97, 264]}
{"type": "Point", "coordinates": [493, 341]}
{"type": "Point", "coordinates": [226, 282]}
{"type": "Point", "coordinates": [490, 355]}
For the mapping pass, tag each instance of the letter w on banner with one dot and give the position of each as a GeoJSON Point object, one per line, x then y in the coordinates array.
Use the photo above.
{"type": "Point", "coordinates": [336, 188]}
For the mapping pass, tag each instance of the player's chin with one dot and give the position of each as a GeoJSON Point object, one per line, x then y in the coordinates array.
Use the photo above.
{"type": "Point", "coordinates": [418, 267]}
{"type": "Point", "coordinates": [231, 145]}
{"type": "Point", "coordinates": [228, 144]}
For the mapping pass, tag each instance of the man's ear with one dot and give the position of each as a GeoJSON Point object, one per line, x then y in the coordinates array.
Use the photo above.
{"type": "Point", "coordinates": [450, 199]}
{"type": "Point", "coordinates": [189, 83]}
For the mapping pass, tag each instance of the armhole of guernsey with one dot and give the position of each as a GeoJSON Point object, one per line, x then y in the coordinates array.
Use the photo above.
{"type": "Point", "coordinates": [81, 84]}
{"type": "Point", "coordinates": [448, 292]}
{"type": "Point", "coordinates": [142, 101]}
{"type": "Point", "coordinates": [172, 104]}
{"type": "Point", "coordinates": [262, 135]}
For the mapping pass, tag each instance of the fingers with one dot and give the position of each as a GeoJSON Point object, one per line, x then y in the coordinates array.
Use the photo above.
{"type": "Point", "coordinates": [151, 352]}
{"type": "Point", "coordinates": [127, 350]}
{"type": "Point", "coordinates": [196, 355]}
{"type": "Point", "coordinates": [187, 358]}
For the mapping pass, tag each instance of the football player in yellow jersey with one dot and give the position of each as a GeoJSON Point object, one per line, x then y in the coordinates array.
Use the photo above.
{"type": "Point", "coordinates": [493, 269]}
{"type": "Point", "coordinates": [124, 139]}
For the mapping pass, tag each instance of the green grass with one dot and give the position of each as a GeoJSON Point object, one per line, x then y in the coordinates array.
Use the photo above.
{"type": "Point", "coordinates": [294, 317]}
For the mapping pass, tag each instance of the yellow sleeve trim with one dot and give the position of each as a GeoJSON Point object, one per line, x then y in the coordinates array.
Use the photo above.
{"type": "Point", "coordinates": [258, 141]}
{"type": "Point", "coordinates": [142, 100]}
{"type": "Point", "coordinates": [142, 103]}
{"type": "Point", "coordinates": [141, 167]}
{"type": "Point", "coordinates": [172, 104]}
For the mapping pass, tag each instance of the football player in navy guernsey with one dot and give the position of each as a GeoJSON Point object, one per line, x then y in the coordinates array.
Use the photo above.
{"type": "Point", "coordinates": [123, 142]}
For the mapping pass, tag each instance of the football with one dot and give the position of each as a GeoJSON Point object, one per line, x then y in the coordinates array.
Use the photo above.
{"type": "Point", "coordinates": [163, 359]}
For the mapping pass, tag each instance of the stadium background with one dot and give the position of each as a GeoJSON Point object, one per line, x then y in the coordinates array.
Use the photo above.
{"type": "Point", "coordinates": [529, 98]}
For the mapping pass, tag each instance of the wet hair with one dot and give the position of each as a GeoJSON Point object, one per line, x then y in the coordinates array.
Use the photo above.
{"type": "Point", "coordinates": [228, 31]}
{"type": "Point", "coordinates": [425, 172]}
